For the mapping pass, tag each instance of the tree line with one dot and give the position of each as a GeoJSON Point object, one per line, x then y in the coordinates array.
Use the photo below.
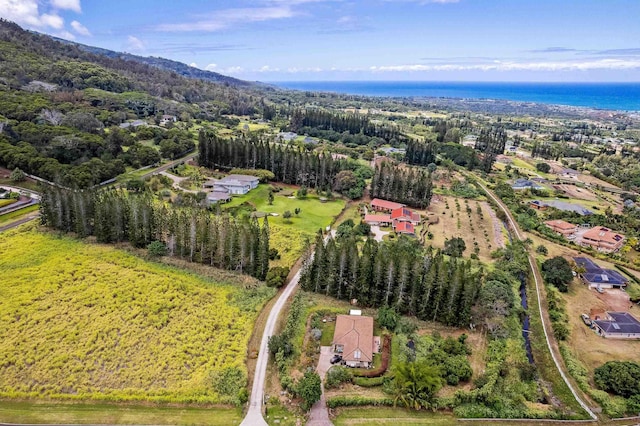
{"type": "Point", "coordinates": [399, 275]}
{"type": "Point", "coordinates": [289, 164]}
{"type": "Point", "coordinates": [195, 235]}
{"type": "Point", "coordinates": [410, 186]}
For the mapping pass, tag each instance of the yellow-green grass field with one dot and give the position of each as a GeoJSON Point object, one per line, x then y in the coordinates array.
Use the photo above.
{"type": "Point", "coordinates": [288, 236]}
{"type": "Point", "coordinates": [7, 218]}
{"type": "Point", "coordinates": [86, 321]}
{"type": "Point", "coordinates": [82, 413]}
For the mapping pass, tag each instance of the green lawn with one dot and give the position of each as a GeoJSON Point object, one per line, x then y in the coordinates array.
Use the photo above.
{"type": "Point", "coordinates": [26, 184]}
{"type": "Point", "coordinates": [370, 416]}
{"type": "Point", "coordinates": [33, 412]}
{"type": "Point", "coordinates": [289, 236]}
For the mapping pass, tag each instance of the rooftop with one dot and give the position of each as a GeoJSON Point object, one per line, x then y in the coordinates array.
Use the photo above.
{"type": "Point", "coordinates": [620, 323]}
{"type": "Point", "coordinates": [602, 234]}
{"type": "Point", "coordinates": [377, 202]}
{"type": "Point", "coordinates": [355, 333]}
{"type": "Point", "coordinates": [560, 224]}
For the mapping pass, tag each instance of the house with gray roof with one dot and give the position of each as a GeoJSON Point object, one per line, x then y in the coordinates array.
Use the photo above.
{"type": "Point", "coordinates": [234, 184]}
{"type": "Point", "coordinates": [618, 325]}
{"type": "Point", "coordinates": [520, 184]}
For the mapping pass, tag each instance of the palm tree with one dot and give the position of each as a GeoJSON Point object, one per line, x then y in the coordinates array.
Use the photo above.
{"type": "Point", "coordinates": [416, 384]}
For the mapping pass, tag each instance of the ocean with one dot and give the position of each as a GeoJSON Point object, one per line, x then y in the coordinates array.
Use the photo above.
{"type": "Point", "coordinates": [609, 96]}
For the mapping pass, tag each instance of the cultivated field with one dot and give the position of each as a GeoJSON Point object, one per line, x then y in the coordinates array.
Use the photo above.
{"type": "Point", "coordinates": [85, 321]}
{"type": "Point", "coordinates": [471, 227]}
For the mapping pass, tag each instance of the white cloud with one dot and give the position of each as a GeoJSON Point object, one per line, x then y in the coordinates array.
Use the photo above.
{"type": "Point", "coordinates": [80, 29]}
{"type": "Point", "coordinates": [134, 44]}
{"type": "Point", "coordinates": [193, 64]}
{"type": "Point", "coordinates": [211, 67]}
{"type": "Point", "coordinates": [27, 13]}
{"type": "Point", "coordinates": [585, 65]}
{"type": "Point", "coordinates": [228, 17]}
{"type": "Point", "coordinates": [267, 68]}
{"type": "Point", "coordinates": [67, 5]}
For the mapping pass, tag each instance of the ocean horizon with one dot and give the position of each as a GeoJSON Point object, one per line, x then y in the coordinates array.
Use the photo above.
{"type": "Point", "coordinates": [605, 96]}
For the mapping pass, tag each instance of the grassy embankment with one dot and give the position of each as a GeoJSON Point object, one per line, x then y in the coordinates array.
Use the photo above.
{"type": "Point", "coordinates": [90, 322]}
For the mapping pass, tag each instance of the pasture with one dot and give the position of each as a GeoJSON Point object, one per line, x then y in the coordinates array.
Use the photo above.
{"type": "Point", "coordinates": [91, 322]}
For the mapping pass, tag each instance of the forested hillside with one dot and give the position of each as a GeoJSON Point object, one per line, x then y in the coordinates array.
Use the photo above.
{"type": "Point", "coordinates": [62, 109]}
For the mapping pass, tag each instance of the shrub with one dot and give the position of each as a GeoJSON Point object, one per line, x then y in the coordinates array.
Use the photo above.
{"type": "Point", "coordinates": [309, 388]}
{"type": "Point", "coordinates": [277, 276]}
{"type": "Point", "coordinates": [619, 377]}
{"type": "Point", "coordinates": [17, 175]}
{"type": "Point", "coordinates": [358, 401]}
{"type": "Point", "coordinates": [542, 250]}
{"type": "Point", "coordinates": [157, 248]}
{"type": "Point", "coordinates": [370, 382]}
{"type": "Point", "coordinates": [336, 376]}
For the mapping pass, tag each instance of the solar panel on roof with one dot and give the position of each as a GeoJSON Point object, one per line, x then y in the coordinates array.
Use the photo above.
{"type": "Point", "coordinates": [616, 326]}
{"type": "Point", "coordinates": [604, 277]}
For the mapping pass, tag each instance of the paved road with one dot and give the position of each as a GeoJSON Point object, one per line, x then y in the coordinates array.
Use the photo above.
{"type": "Point", "coordinates": [552, 345]}
{"type": "Point", "coordinates": [319, 415]}
{"type": "Point", "coordinates": [254, 415]}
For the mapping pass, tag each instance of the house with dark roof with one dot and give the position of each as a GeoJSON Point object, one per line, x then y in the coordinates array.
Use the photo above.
{"type": "Point", "coordinates": [597, 277]}
{"type": "Point", "coordinates": [618, 325]}
{"type": "Point", "coordinates": [218, 197]}
{"type": "Point", "coordinates": [384, 206]}
{"type": "Point", "coordinates": [353, 340]}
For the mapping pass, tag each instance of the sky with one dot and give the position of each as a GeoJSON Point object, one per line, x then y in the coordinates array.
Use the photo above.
{"type": "Point", "coordinates": [393, 40]}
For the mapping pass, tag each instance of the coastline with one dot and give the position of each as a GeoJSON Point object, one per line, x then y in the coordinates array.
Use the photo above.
{"type": "Point", "coordinates": [618, 98]}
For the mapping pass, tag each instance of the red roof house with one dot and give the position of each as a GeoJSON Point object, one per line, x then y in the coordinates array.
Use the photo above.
{"type": "Point", "coordinates": [384, 205]}
{"type": "Point", "coordinates": [403, 214]}
{"type": "Point", "coordinates": [403, 228]}
{"type": "Point", "coordinates": [377, 219]}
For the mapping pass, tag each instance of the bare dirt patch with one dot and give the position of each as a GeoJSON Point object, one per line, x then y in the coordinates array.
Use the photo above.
{"type": "Point", "coordinates": [575, 192]}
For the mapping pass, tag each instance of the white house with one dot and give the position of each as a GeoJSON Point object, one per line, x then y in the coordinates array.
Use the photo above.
{"type": "Point", "coordinates": [234, 184]}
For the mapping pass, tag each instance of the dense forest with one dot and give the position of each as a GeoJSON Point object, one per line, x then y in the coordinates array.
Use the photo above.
{"type": "Point", "coordinates": [195, 235]}
{"type": "Point", "coordinates": [400, 275]}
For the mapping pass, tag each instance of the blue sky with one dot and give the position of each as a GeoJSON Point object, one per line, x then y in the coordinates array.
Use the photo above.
{"type": "Point", "coordinates": [288, 40]}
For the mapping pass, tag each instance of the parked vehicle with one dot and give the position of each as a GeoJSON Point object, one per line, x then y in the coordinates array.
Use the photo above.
{"type": "Point", "coordinates": [599, 290]}
{"type": "Point", "coordinates": [586, 319]}
{"type": "Point", "coordinates": [336, 359]}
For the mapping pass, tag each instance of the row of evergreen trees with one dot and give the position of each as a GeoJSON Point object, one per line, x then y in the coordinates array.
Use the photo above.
{"type": "Point", "coordinates": [420, 153]}
{"type": "Point", "coordinates": [352, 123]}
{"type": "Point", "coordinates": [195, 235]}
{"type": "Point", "coordinates": [289, 164]}
{"type": "Point", "coordinates": [410, 186]}
{"type": "Point", "coordinates": [399, 275]}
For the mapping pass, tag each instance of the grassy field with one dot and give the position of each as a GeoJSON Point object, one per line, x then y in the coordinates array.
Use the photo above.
{"type": "Point", "coordinates": [289, 236]}
{"type": "Point", "coordinates": [367, 416]}
{"type": "Point", "coordinates": [34, 413]}
{"type": "Point", "coordinates": [457, 223]}
{"type": "Point", "coordinates": [7, 218]}
{"type": "Point", "coordinates": [84, 321]}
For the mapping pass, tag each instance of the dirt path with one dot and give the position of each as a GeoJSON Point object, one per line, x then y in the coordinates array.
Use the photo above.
{"type": "Point", "coordinates": [497, 228]}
